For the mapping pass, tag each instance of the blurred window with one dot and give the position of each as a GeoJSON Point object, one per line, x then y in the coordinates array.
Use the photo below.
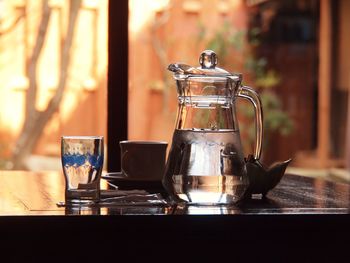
{"type": "Point", "coordinates": [53, 66]}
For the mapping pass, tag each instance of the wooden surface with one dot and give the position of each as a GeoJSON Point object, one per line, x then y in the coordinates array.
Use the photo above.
{"type": "Point", "coordinates": [324, 82]}
{"type": "Point", "coordinates": [118, 52]}
{"type": "Point", "coordinates": [37, 193]}
{"type": "Point", "coordinates": [302, 220]}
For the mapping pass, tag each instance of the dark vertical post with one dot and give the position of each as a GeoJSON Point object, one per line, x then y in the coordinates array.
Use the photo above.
{"type": "Point", "coordinates": [117, 120]}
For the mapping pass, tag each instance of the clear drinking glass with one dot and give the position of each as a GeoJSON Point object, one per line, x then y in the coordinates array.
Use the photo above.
{"type": "Point", "coordinates": [82, 162]}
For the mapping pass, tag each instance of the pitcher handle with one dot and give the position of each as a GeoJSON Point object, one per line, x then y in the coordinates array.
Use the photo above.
{"type": "Point", "coordinates": [250, 94]}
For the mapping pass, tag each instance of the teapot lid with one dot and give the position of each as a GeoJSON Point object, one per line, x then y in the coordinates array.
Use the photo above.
{"type": "Point", "coordinates": [208, 61]}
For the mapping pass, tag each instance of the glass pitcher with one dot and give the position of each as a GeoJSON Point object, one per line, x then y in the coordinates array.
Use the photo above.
{"type": "Point", "coordinates": [206, 163]}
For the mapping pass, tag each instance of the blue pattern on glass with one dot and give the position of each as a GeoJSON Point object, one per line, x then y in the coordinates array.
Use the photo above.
{"type": "Point", "coordinates": [96, 161]}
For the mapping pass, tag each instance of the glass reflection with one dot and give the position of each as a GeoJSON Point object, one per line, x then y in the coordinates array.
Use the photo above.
{"type": "Point", "coordinates": [139, 210]}
{"type": "Point", "coordinates": [207, 210]}
{"type": "Point", "coordinates": [82, 210]}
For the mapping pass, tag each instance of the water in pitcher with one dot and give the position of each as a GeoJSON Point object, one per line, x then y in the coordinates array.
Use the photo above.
{"type": "Point", "coordinates": [206, 167]}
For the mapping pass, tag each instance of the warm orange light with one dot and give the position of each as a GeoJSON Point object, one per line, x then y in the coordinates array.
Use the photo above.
{"type": "Point", "coordinates": [82, 109]}
{"type": "Point", "coordinates": [141, 13]}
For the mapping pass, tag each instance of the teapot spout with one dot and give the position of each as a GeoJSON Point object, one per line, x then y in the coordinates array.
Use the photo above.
{"type": "Point", "coordinates": [180, 68]}
{"type": "Point", "coordinates": [261, 179]}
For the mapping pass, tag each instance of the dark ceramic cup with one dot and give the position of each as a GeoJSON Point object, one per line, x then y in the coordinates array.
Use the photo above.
{"type": "Point", "coordinates": [143, 160]}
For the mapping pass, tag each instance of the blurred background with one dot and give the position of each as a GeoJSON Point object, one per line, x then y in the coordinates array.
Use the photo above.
{"type": "Point", "coordinates": [53, 72]}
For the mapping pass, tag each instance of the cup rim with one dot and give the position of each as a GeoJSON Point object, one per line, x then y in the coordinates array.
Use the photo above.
{"type": "Point", "coordinates": [81, 137]}
{"type": "Point", "coordinates": [142, 142]}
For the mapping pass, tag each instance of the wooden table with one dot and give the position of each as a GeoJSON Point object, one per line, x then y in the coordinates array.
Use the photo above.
{"type": "Point", "coordinates": [301, 215]}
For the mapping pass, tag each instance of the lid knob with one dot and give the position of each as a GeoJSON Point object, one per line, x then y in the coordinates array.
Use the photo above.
{"type": "Point", "coordinates": [208, 59]}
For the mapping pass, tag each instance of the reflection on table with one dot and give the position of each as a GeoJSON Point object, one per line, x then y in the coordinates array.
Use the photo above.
{"type": "Point", "coordinates": [37, 193]}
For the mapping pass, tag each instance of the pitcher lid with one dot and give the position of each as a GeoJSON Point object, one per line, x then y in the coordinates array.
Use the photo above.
{"type": "Point", "coordinates": [208, 61]}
